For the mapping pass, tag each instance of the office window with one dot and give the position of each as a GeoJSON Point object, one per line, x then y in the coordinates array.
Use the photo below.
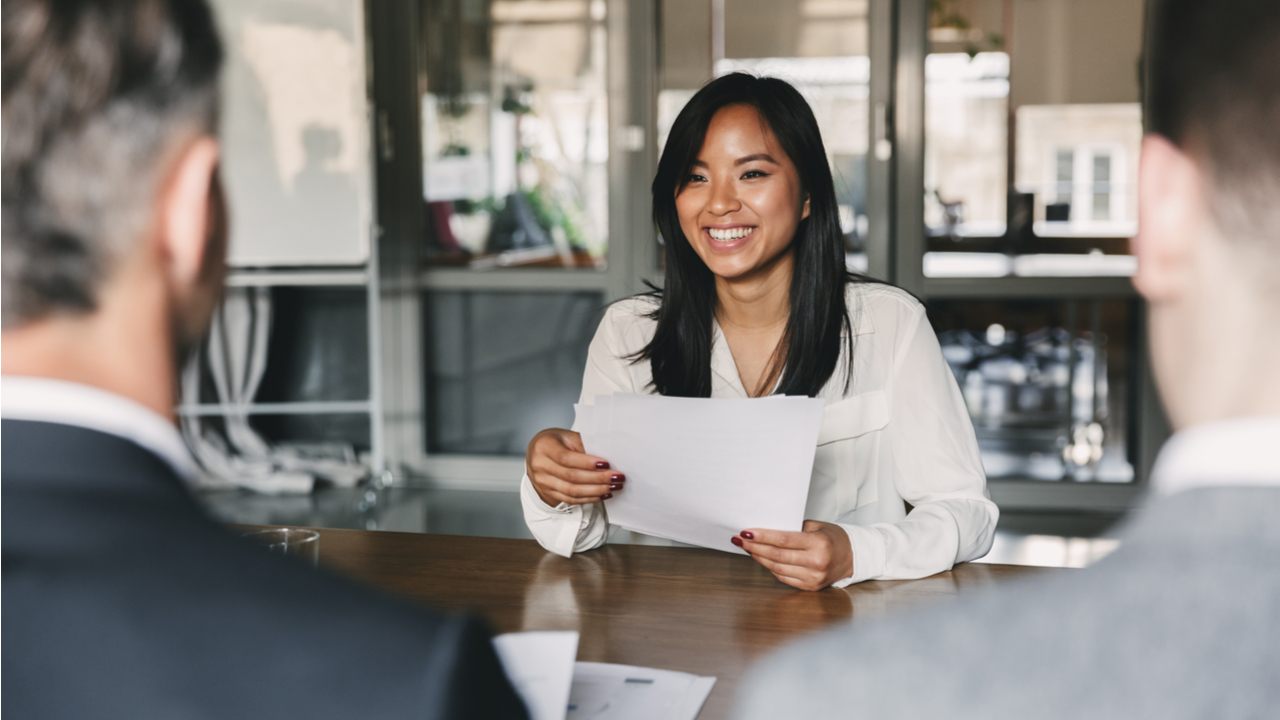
{"type": "Point", "coordinates": [1086, 159]}
{"type": "Point", "coordinates": [514, 133]}
{"type": "Point", "coordinates": [317, 351]}
{"type": "Point", "coordinates": [966, 113]}
{"type": "Point", "coordinates": [502, 366]}
{"type": "Point", "coordinates": [1102, 187]}
{"type": "Point", "coordinates": [1032, 131]}
{"type": "Point", "coordinates": [1047, 384]}
{"type": "Point", "coordinates": [1064, 183]}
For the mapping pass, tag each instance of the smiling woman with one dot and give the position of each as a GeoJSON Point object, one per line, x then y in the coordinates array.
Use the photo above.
{"type": "Point", "coordinates": [740, 209]}
{"type": "Point", "coordinates": [757, 301]}
{"type": "Point", "coordinates": [746, 152]}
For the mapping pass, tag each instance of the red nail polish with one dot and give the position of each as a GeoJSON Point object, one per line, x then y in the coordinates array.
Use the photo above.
{"type": "Point", "coordinates": [736, 540]}
{"type": "Point", "coordinates": [748, 535]}
{"type": "Point", "coordinates": [615, 487]}
{"type": "Point", "coordinates": [602, 466]}
{"type": "Point", "coordinates": [617, 477]}
{"type": "Point", "coordinates": [606, 497]}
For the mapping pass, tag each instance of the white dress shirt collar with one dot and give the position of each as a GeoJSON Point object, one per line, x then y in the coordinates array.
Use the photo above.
{"type": "Point", "coordinates": [1238, 452]}
{"type": "Point", "coordinates": [67, 403]}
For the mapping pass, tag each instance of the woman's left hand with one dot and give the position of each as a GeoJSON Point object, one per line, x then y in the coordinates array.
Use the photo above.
{"type": "Point", "coordinates": [810, 559]}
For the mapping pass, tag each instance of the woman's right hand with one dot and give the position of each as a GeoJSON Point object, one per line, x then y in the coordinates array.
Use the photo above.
{"type": "Point", "coordinates": [562, 471]}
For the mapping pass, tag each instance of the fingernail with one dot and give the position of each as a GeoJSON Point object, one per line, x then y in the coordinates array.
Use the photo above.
{"type": "Point", "coordinates": [618, 477]}
{"type": "Point", "coordinates": [748, 535]}
{"type": "Point", "coordinates": [602, 466]}
{"type": "Point", "coordinates": [606, 496]}
{"type": "Point", "coordinates": [615, 487]}
{"type": "Point", "coordinates": [736, 540]}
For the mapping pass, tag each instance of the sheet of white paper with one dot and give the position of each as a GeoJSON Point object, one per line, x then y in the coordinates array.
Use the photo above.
{"type": "Point", "coordinates": [584, 419]}
{"type": "Point", "coordinates": [603, 691]}
{"type": "Point", "coordinates": [700, 470]}
{"type": "Point", "coordinates": [540, 666]}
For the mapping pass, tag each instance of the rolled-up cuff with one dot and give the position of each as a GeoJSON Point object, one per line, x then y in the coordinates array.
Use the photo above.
{"type": "Point", "coordinates": [868, 554]}
{"type": "Point", "coordinates": [555, 528]}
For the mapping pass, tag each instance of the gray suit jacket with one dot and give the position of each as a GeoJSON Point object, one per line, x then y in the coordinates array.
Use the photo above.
{"type": "Point", "coordinates": [1182, 621]}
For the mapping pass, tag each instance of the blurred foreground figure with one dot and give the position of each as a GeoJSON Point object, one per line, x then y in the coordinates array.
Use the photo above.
{"type": "Point", "coordinates": [121, 598]}
{"type": "Point", "coordinates": [1183, 620]}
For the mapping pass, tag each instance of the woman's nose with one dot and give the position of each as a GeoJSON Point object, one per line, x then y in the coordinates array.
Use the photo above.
{"type": "Point", "coordinates": [724, 198]}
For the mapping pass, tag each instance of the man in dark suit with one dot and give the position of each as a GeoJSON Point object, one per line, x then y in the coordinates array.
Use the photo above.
{"type": "Point", "coordinates": [121, 598]}
{"type": "Point", "coordinates": [1183, 620]}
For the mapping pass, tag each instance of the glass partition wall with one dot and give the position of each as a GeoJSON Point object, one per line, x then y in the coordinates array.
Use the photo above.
{"type": "Point", "coordinates": [1032, 130]}
{"type": "Point", "coordinates": [984, 151]}
{"type": "Point", "coordinates": [511, 137]}
{"type": "Point", "coordinates": [1029, 137]}
{"type": "Point", "coordinates": [514, 123]}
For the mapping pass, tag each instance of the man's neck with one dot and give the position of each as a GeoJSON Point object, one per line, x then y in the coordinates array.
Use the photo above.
{"type": "Point", "coordinates": [123, 347]}
{"type": "Point", "coordinates": [1229, 360]}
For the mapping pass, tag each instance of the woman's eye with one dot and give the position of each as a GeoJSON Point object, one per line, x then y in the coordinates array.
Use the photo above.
{"type": "Point", "coordinates": [752, 174]}
{"type": "Point", "coordinates": [695, 178]}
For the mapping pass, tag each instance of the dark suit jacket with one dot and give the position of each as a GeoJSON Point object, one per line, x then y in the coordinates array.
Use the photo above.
{"type": "Point", "coordinates": [122, 599]}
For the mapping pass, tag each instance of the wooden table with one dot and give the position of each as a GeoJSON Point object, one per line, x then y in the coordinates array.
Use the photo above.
{"type": "Point", "coordinates": [698, 611]}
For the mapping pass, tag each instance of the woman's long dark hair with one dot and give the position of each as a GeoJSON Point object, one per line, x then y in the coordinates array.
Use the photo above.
{"type": "Point", "coordinates": [680, 351]}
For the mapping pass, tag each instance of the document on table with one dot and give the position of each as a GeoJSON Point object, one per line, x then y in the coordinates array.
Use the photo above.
{"type": "Point", "coordinates": [541, 667]}
{"type": "Point", "coordinates": [602, 691]}
{"type": "Point", "coordinates": [701, 470]}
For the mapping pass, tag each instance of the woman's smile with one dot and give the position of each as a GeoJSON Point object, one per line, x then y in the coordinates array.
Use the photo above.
{"type": "Point", "coordinates": [730, 237]}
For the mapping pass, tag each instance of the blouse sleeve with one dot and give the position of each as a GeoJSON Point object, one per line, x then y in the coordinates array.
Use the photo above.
{"type": "Point", "coordinates": [936, 468]}
{"type": "Point", "coordinates": [566, 529]}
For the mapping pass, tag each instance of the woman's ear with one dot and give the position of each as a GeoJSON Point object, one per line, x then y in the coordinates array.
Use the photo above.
{"type": "Point", "coordinates": [804, 211]}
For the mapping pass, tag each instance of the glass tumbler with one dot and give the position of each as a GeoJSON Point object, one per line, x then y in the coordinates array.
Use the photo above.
{"type": "Point", "coordinates": [301, 544]}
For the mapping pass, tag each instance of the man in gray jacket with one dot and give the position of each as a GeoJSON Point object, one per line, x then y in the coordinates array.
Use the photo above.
{"type": "Point", "coordinates": [1183, 620]}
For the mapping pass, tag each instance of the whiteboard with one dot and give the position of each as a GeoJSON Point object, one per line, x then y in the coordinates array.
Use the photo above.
{"type": "Point", "coordinates": [295, 132]}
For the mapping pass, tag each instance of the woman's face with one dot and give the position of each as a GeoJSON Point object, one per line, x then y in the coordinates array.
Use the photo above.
{"type": "Point", "coordinates": [742, 202]}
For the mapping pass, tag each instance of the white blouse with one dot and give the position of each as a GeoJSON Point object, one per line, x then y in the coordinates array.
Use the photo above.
{"type": "Point", "coordinates": [900, 432]}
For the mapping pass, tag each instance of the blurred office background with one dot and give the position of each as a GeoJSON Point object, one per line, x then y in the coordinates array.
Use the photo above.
{"type": "Point", "coordinates": [434, 200]}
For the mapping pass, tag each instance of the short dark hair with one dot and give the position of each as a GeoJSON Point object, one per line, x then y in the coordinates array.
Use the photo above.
{"type": "Point", "coordinates": [1212, 86]}
{"type": "Point", "coordinates": [94, 93]}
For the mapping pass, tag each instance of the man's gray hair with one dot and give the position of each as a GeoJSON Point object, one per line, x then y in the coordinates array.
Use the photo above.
{"type": "Point", "coordinates": [95, 93]}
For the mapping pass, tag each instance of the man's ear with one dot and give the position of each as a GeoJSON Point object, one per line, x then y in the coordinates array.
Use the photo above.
{"type": "Point", "coordinates": [1172, 212]}
{"type": "Point", "coordinates": [185, 213]}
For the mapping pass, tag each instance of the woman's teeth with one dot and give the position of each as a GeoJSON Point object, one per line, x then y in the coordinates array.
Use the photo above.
{"type": "Point", "coordinates": [729, 234]}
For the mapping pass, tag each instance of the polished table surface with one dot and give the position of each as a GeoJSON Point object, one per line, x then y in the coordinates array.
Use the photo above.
{"type": "Point", "coordinates": [698, 611]}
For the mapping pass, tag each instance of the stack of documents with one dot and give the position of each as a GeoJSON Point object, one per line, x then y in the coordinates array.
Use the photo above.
{"type": "Point", "coordinates": [700, 470]}
{"type": "Point", "coordinates": [541, 667]}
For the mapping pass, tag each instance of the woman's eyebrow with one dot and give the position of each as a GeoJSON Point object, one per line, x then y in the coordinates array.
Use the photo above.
{"type": "Point", "coordinates": [764, 157]}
